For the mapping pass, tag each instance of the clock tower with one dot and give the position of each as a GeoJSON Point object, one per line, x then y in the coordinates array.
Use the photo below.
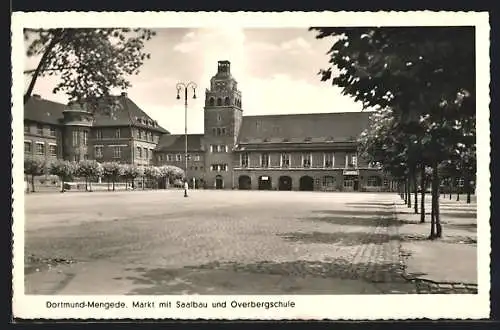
{"type": "Point", "coordinates": [223, 115]}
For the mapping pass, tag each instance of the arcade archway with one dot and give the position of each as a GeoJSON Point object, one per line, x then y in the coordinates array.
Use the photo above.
{"type": "Point", "coordinates": [244, 182]}
{"type": "Point", "coordinates": [285, 183]}
{"type": "Point", "coordinates": [306, 183]}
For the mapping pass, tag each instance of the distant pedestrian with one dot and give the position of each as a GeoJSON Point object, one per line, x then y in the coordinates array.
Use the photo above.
{"type": "Point", "coordinates": [186, 187]}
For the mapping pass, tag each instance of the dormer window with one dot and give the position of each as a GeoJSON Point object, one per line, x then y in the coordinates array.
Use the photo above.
{"type": "Point", "coordinates": [307, 139]}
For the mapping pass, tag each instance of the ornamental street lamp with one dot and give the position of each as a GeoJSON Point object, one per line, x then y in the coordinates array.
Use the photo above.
{"type": "Point", "coordinates": [185, 86]}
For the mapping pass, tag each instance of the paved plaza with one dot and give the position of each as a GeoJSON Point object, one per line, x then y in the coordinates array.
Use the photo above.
{"type": "Point", "coordinates": [239, 242]}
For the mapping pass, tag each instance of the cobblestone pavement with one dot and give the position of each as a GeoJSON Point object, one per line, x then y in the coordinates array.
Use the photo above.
{"type": "Point", "coordinates": [214, 242]}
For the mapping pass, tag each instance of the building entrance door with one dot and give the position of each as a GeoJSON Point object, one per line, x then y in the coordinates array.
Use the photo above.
{"type": "Point", "coordinates": [219, 182]}
{"type": "Point", "coordinates": [285, 183]}
{"type": "Point", "coordinates": [265, 183]}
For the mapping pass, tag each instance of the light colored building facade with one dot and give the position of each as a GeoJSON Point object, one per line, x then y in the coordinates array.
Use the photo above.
{"type": "Point", "coordinates": [283, 152]}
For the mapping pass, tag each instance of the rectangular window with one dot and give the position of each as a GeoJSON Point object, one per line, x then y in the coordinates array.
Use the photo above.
{"type": "Point", "coordinates": [53, 149]}
{"type": "Point", "coordinates": [118, 133]}
{"type": "Point", "coordinates": [226, 149]}
{"type": "Point", "coordinates": [98, 151]}
{"type": "Point", "coordinates": [285, 160]}
{"type": "Point", "coordinates": [75, 138]}
{"type": "Point", "coordinates": [354, 161]}
{"type": "Point", "coordinates": [40, 148]}
{"type": "Point", "coordinates": [150, 153]}
{"type": "Point", "coordinates": [264, 160]}
{"type": "Point", "coordinates": [39, 129]}
{"type": "Point", "coordinates": [218, 131]}
{"type": "Point", "coordinates": [244, 159]}
{"type": "Point", "coordinates": [52, 131]}
{"type": "Point", "coordinates": [223, 167]}
{"type": "Point", "coordinates": [139, 152]}
{"type": "Point", "coordinates": [197, 158]}
{"type": "Point", "coordinates": [117, 152]}
{"type": "Point", "coordinates": [214, 131]}
{"type": "Point", "coordinates": [306, 160]}
{"type": "Point", "coordinates": [146, 154]}
{"type": "Point", "coordinates": [85, 157]}
{"type": "Point", "coordinates": [178, 157]}
{"type": "Point", "coordinates": [98, 134]}
{"type": "Point", "coordinates": [85, 138]}
{"type": "Point", "coordinates": [26, 128]}
{"type": "Point", "coordinates": [76, 158]}
{"type": "Point", "coordinates": [160, 158]}
{"type": "Point", "coordinates": [328, 160]}
{"type": "Point", "coordinates": [214, 168]}
{"type": "Point", "coordinates": [27, 146]}
{"type": "Point", "coordinates": [223, 131]}
{"type": "Point", "coordinates": [150, 136]}
{"type": "Point", "coordinates": [170, 158]}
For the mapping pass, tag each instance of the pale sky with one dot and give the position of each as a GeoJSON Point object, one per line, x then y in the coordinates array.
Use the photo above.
{"type": "Point", "coordinates": [276, 70]}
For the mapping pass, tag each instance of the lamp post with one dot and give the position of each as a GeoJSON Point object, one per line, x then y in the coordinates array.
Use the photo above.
{"type": "Point", "coordinates": [185, 86]}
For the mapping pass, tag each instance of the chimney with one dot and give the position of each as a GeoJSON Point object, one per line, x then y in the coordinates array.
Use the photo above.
{"type": "Point", "coordinates": [124, 94]}
{"type": "Point", "coordinates": [37, 96]}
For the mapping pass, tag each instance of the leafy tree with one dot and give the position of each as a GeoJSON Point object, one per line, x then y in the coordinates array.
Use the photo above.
{"type": "Point", "coordinates": [89, 62]}
{"type": "Point", "coordinates": [424, 75]}
{"type": "Point", "coordinates": [63, 169]}
{"type": "Point", "coordinates": [152, 173]}
{"type": "Point", "coordinates": [34, 166]}
{"type": "Point", "coordinates": [112, 171]}
{"type": "Point", "coordinates": [90, 170]}
{"type": "Point", "coordinates": [130, 172]}
{"type": "Point", "coordinates": [169, 173]}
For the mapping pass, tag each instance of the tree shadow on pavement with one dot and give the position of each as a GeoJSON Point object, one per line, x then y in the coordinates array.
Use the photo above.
{"type": "Point", "coordinates": [355, 212]}
{"type": "Point", "coordinates": [374, 205]}
{"type": "Point", "coordinates": [351, 221]}
{"type": "Point", "coordinates": [332, 276]}
{"type": "Point", "coordinates": [471, 227]}
{"type": "Point", "coordinates": [341, 238]}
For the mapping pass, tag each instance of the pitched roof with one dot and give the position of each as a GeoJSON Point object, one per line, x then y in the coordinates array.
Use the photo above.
{"type": "Point", "coordinates": [303, 128]}
{"type": "Point", "coordinates": [45, 111]}
{"type": "Point", "coordinates": [176, 142]}
{"type": "Point", "coordinates": [129, 111]}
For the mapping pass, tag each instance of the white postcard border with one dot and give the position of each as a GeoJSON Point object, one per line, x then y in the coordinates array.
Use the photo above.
{"type": "Point", "coordinates": [338, 307]}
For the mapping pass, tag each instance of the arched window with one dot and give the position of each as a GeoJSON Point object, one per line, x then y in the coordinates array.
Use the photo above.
{"type": "Point", "coordinates": [226, 101]}
{"type": "Point", "coordinates": [211, 102]}
{"type": "Point", "coordinates": [219, 101]}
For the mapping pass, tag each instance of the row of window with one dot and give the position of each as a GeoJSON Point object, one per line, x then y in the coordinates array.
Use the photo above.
{"type": "Point", "coordinates": [219, 148]}
{"type": "Point", "coordinates": [329, 181]}
{"type": "Point", "coordinates": [179, 157]}
{"type": "Point", "coordinates": [40, 129]}
{"type": "Point", "coordinates": [212, 102]}
{"type": "Point", "coordinates": [328, 160]}
{"type": "Point", "coordinates": [218, 167]}
{"type": "Point", "coordinates": [218, 131]}
{"type": "Point", "coordinates": [40, 148]}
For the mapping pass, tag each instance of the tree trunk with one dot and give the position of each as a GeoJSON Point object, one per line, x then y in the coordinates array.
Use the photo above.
{"type": "Point", "coordinates": [55, 39]}
{"type": "Point", "coordinates": [451, 186]}
{"type": "Point", "coordinates": [143, 183]}
{"type": "Point", "coordinates": [62, 183]}
{"type": "Point", "coordinates": [90, 185]}
{"type": "Point", "coordinates": [422, 197]}
{"type": "Point", "coordinates": [32, 183]}
{"type": "Point", "coordinates": [458, 194]}
{"type": "Point", "coordinates": [415, 189]}
{"type": "Point", "coordinates": [109, 187]}
{"type": "Point", "coordinates": [113, 180]}
{"type": "Point", "coordinates": [467, 188]}
{"type": "Point", "coordinates": [408, 187]}
{"type": "Point", "coordinates": [435, 201]}
{"type": "Point", "coordinates": [405, 192]}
